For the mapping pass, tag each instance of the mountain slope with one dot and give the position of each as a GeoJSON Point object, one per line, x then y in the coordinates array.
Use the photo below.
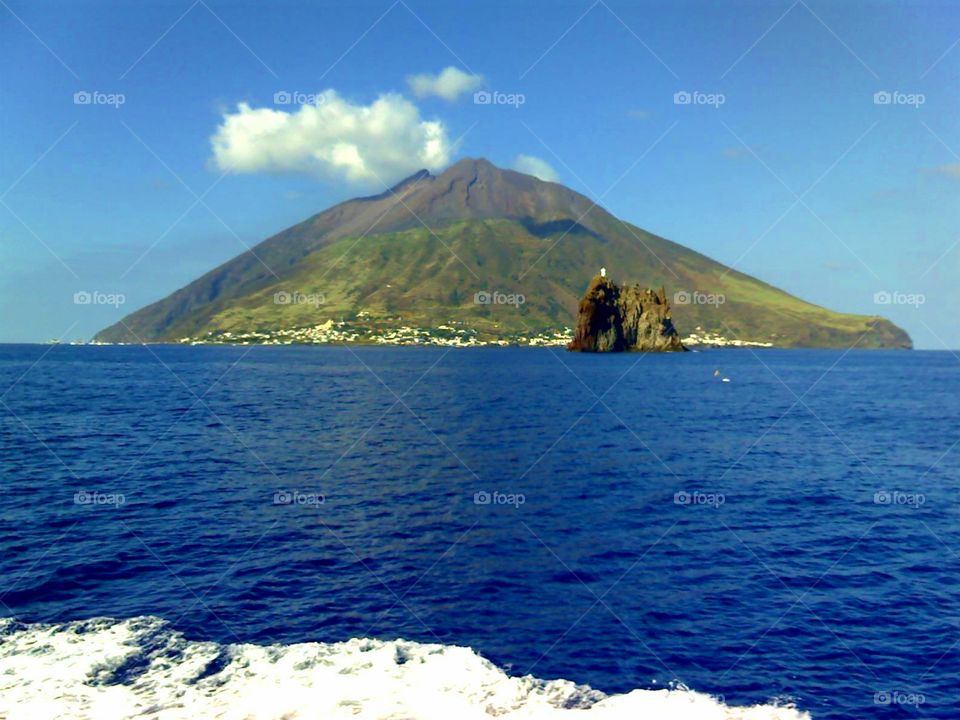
{"type": "Point", "coordinates": [418, 253]}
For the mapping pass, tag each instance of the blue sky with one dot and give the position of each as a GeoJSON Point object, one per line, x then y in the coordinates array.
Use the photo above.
{"type": "Point", "coordinates": [103, 197]}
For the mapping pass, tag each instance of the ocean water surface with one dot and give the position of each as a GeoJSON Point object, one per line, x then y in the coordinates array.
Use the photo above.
{"type": "Point", "coordinates": [431, 533]}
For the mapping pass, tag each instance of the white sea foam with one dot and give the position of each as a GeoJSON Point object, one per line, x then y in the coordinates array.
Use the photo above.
{"type": "Point", "coordinates": [139, 668]}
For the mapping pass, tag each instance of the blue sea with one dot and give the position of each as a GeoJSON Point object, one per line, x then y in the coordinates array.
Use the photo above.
{"type": "Point", "coordinates": [423, 532]}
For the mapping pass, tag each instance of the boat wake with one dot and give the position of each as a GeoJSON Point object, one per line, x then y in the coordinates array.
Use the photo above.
{"type": "Point", "coordinates": [111, 669]}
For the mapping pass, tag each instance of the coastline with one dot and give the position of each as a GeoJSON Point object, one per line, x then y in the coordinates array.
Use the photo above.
{"type": "Point", "coordinates": [449, 336]}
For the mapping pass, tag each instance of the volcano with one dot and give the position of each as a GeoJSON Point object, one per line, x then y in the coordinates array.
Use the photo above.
{"type": "Point", "coordinates": [495, 252]}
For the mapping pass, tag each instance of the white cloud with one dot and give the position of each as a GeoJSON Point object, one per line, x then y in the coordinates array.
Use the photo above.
{"type": "Point", "coordinates": [384, 141]}
{"type": "Point", "coordinates": [449, 84]}
{"type": "Point", "coordinates": [535, 166]}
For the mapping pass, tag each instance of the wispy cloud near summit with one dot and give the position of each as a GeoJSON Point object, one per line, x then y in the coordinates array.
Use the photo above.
{"type": "Point", "coordinates": [535, 166]}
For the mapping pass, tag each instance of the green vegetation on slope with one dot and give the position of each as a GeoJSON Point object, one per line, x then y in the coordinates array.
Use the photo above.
{"type": "Point", "coordinates": [428, 278]}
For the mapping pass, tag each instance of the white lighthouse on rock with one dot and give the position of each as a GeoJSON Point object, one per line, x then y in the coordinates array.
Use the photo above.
{"type": "Point", "coordinates": [603, 272]}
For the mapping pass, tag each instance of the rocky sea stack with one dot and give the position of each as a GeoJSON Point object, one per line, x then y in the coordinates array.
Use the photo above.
{"type": "Point", "coordinates": [619, 319]}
